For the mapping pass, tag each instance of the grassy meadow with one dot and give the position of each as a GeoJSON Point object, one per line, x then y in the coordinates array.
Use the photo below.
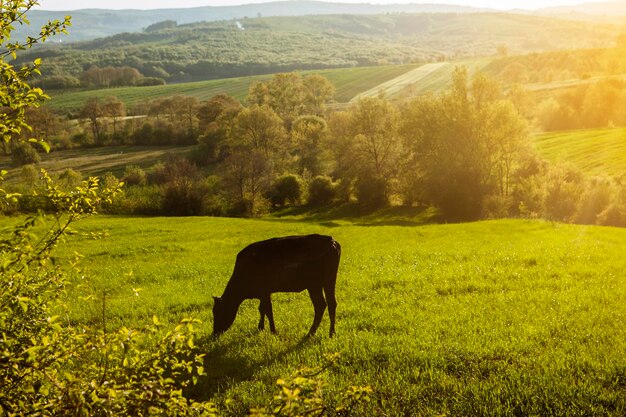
{"type": "Point", "coordinates": [594, 151]}
{"type": "Point", "coordinates": [508, 317]}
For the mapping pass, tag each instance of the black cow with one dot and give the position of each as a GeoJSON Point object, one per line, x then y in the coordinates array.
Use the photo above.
{"type": "Point", "coordinates": [286, 264]}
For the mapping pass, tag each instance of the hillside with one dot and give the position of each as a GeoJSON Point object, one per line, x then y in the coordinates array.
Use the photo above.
{"type": "Point", "coordinates": [97, 23]}
{"type": "Point", "coordinates": [600, 9]}
{"type": "Point", "coordinates": [213, 50]}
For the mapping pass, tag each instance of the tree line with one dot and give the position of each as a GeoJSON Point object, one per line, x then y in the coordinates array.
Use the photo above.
{"type": "Point", "coordinates": [466, 151]}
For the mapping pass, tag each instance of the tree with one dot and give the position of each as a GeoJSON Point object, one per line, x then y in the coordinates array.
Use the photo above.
{"type": "Point", "coordinates": [113, 108]}
{"type": "Point", "coordinates": [92, 110]}
{"type": "Point", "coordinates": [368, 148]}
{"type": "Point", "coordinates": [259, 128]}
{"type": "Point", "coordinates": [464, 146]}
{"type": "Point", "coordinates": [246, 175]}
{"type": "Point", "coordinates": [210, 110]}
{"type": "Point", "coordinates": [318, 91]}
{"type": "Point", "coordinates": [308, 136]}
{"type": "Point", "coordinates": [290, 95]}
{"type": "Point", "coordinates": [43, 122]}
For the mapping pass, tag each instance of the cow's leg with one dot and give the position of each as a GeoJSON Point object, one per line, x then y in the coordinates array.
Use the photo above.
{"type": "Point", "coordinates": [329, 292]}
{"type": "Point", "coordinates": [265, 309]}
{"type": "Point", "coordinates": [319, 304]}
{"type": "Point", "coordinates": [262, 309]}
{"type": "Point", "coordinates": [269, 312]}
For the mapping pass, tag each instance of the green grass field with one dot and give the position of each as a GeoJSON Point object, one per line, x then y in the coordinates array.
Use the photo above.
{"type": "Point", "coordinates": [594, 151]}
{"type": "Point", "coordinates": [348, 82]}
{"type": "Point", "coordinates": [504, 317]}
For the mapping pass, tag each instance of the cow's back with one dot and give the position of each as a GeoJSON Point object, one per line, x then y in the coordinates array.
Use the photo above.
{"type": "Point", "coordinates": [291, 263]}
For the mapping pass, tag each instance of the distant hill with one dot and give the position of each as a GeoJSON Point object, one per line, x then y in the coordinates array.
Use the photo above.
{"type": "Point", "coordinates": [609, 8]}
{"type": "Point", "coordinates": [614, 11]}
{"type": "Point", "coordinates": [212, 50]}
{"type": "Point", "coordinates": [98, 23]}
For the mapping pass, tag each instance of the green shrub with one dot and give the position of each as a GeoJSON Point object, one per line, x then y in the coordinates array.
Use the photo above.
{"type": "Point", "coordinates": [181, 197]}
{"type": "Point", "coordinates": [68, 179]}
{"type": "Point", "coordinates": [613, 215]}
{"type": "Point", "coordinates": [23, 153]}
{"type": "Point", "coordinates": [321, 191]}
{"type": "Point", "coordinates": [29, 174]}
{"type": "Point", "coordinates": [286, 189]}
{"type": "Point", "coordinates": [372, 192]}
{"type": "Point", "coordinates": [138, 200]}
{"type": "Point", "coordinates": [134, 175]}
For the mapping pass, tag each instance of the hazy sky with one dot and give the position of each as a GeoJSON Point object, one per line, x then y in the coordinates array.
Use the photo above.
{"type": "Point", "coordinates": [157, 4]}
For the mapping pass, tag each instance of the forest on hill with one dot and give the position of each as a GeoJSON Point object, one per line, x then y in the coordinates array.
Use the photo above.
{"type": "Point", "coordinates": [211, 50]}
{"type": "Point", "coordinates": [97, 23]}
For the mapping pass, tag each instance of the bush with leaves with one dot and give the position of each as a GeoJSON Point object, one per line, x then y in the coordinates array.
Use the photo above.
{"type": "Point", "coordinates": [48, 367]}
{"type": "Point", "coordinates": [286, 189]}
{"type": "Point", "coordinates": [321, 190]}
{"type": "Point", "coordinates": [24, 154]}
{"type": "Point", "coordinates": [302, 394]}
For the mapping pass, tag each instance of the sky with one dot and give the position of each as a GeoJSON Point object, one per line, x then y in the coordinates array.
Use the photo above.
{"type": "Point", "coordinates": [160, 4]}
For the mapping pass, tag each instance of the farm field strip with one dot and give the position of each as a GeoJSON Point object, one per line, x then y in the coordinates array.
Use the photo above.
{"type": "Point", "coordinates": [430, 78]}
{"type": "Point", "coordinates": [464, 319]}
{"type": "Point", "coordinates": [99, 161]}
{"type": "Point", "coordinates": [594, 151]}
{"type": "Point", "coordinates": [392, 87]}
{"type": "Point", "coordinates": [348, 82]}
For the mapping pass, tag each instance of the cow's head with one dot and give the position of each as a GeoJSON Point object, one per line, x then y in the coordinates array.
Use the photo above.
{"type": "Point", "coordinates": [223, 316]}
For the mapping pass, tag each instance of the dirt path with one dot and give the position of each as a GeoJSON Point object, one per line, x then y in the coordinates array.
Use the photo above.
{"type": "Point", "coordinates": [397, 84]}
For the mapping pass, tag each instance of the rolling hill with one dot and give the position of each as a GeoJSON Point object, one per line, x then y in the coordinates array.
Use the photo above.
{"type": "Point", "coordinates": [97, 23]}
{"type": "Point", "coordinates": [212, 50]}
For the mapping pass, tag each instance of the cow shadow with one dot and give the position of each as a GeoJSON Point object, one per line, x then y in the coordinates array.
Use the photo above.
{"type": "Point", "coordinates": [225, 365]}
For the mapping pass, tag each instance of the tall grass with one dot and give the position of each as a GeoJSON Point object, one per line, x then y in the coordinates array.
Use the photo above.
{"type": "Point", "coordinates": [492, 318]}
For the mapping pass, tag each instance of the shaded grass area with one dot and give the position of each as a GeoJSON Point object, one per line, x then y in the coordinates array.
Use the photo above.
{"type": "Point", "coordinates": [594, 151]}
{"type": "Point", "coordinates": [506, 317]}
{"type": "Point", "coordinates": [348, 82]}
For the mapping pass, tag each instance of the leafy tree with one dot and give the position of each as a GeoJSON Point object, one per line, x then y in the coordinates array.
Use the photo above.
{"type": "Point", "coordinates": [210, 110]}
{"type": "Point", "coordinates": [113, 108]}
{"type": "Point", "coordinates": [93, 111]}
{"type": "Point", "coordinates": [246, 175]}
{"type": "Point", "coordinates": [318, 92]}
{"type": "Point", "coordinates": [290, 95]}
{"type": "Point", "coordinates": [367, 146]}
{"type": "Point", "coordinates": [309, 135]}
{"type": "Point", "coordinates": [259, 128]}
{"type": "Point", "coordinates": [465, 147]}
